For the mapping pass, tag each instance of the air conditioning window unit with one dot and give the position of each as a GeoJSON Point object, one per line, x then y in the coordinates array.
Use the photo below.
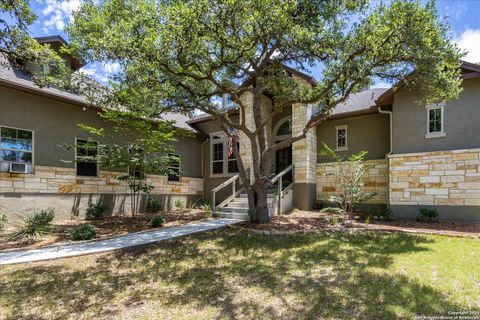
{"type": "Point", "coordinates": [18, 167]}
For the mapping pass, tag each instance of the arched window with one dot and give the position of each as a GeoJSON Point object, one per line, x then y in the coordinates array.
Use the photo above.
{"type": "Point", "coordinates": [283, 129]}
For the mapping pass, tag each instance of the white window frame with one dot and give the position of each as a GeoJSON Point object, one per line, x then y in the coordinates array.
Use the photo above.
{"type": "Point", "coordinates": [179, 167]}
{"type": "Point", "coordinates": [98, 150]}
{"type": "Point", "coordinates": [33, 145]}
{"type": "Point", "coordinates": [224, 140]}
{"type": "Point", "coordinates": [337, 129]}
{"type": "Point", "coordinates": [441, 133]}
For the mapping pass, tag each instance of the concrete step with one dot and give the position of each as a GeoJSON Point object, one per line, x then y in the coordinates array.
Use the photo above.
{"type": "Point", "coordinates": [231, 215]}
{"type": "Point", "coordinates": [234, 209]}
{"type": "Point", "coordinates": [244, 196]}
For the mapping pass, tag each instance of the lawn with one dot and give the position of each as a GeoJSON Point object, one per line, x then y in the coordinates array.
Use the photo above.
{"type": "Point", "coordinates": [231, 274]}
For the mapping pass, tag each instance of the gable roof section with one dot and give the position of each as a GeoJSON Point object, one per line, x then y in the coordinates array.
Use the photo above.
{"type": "Point", "coordinates": [469, 71]}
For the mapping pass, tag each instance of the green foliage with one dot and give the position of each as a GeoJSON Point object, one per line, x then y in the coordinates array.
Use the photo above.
{"type": "Point", "coordinates": [84, 232]}
{"type": "Point", "coordinates": [157, 221]}
{"type": "Point", "coordinates": [350, 173]}
{"type": "Point", "coordinates": [428, 215]}
{"type": "Point", "coordinates": [207, 211]}
{"type": "Point", "coordinates": [153, 205]}
{"type": "Point", "coordinates": [181, 56]}
{"type": "Point", "coordinates": [179, 204]}
{"type": "Point", "coordinates": [385, 214]}
{"type": "Point", "coordinates": [96, 210]}
{"type": "Point", "coordinates": [34, 225]}
{"type": "Point", "coordinates": [3, 221]}
{"type": "Point", "coordinates": [333, 221]}
{"type": "Point", "coordinates": [332, 210]}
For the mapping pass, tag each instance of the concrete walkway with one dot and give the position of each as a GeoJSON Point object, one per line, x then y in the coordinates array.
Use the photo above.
{"type": "Point", "coordinates": [130, 240]}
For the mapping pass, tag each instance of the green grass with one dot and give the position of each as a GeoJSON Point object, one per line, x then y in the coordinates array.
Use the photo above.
{"type": "Point", "coordinates": [227, 274]}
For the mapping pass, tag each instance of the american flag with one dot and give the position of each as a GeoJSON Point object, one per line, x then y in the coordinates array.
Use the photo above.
{"type": "Point", "coordinates": [230, 147]}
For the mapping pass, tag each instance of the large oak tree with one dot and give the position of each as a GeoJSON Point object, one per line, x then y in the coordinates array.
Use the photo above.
{"type": "Point", "coordinates": [185, 53]}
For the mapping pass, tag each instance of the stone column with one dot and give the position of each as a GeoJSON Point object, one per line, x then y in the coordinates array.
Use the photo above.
{"type": "Point", "coordinates": [304, 157]}
{"type": "Point", "coordinates": [245, 144]}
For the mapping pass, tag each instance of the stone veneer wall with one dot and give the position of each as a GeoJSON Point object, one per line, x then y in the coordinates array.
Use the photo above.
{"type": "Point", "coordinates": [447, 178]}
{"type": "Point", "coordinates": [62, 189]}
{"type": "Point", "coordinates": [375, 179]}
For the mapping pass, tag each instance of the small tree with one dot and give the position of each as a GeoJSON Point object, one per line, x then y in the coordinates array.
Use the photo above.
{"type": "Point", "coordinates": [138, 146]}
{"type": "Point", "coordinates": [351, 179]}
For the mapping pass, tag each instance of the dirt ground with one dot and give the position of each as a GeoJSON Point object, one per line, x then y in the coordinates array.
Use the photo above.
{"type": "Point", "coordinates": [312, 221]}
{"type": "Point", "coordinates": [107, 227]}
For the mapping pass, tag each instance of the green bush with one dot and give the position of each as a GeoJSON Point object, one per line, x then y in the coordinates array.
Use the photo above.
{"type": "Point", "coordinates": [96, 210]}
{"type": "Point", "coordinates": [3, 221]}
{"type": "Point", "coordinates": [179, 204]}
{"type": "Point", "coordinates": [428, 215]}
{"type": "Point", "coordinates": [153, 205]}
{"type": "Point", "coordinates": [84, 232]}
{"type": "Point", "coordinates": [386, 214]}
{"type": "Point", "coordinates": [332, 210]}
{"type": "Point", "coordinates": [207, 211]}
{"type": "Point", "coordinates": [34, 225]}
{"type": "Point", "coordinates": [157, 222]}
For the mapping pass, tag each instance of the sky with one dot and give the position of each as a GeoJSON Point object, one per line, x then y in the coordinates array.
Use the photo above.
{"type": "Point", "coordinates": [462, 15]}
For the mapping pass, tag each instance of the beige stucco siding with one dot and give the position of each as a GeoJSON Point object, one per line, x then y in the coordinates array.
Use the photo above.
{"type": "Point", "coordinates": [55, 123]}
{"type": "Point", "coordinates": [367, 132]}
{"type": "Point", "coordinates": [461, 116]}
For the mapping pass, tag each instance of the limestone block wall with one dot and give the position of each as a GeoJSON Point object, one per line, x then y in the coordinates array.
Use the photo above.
{"type": "Point", "coordinates": [70, 194]}
{"type": "Point", "coordinates": [449, 178]}
{"type": "Point", "coordinates": [375, 179]}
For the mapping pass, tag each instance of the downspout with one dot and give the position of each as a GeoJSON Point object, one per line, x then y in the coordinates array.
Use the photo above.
{"type": "Point", "coordinates": [203, 174]}
{"type": "Point", "coordinates": [390, 116]}
{"type": "Point", "coordinates": [391, 128]}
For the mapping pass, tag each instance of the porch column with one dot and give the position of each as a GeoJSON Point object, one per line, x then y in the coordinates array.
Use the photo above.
{"type": "Point", "coordinates": [304, 158]}
{"type": "Point", "coordinates": [245, 145]}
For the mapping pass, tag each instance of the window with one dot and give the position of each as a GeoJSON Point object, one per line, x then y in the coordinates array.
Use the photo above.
{"type": "Point", "coordinates": [16, 145]}
{"type": "Point", "coordinates": [86, 154]}
{"type": "Point", "coordinates": [341, 136]}
{"type": "Point", "coordinates": [435, 121]}
{"type": "Point", "coordinates": [221, 162]}
{"type": "Point", "coordinates": [174, 167]}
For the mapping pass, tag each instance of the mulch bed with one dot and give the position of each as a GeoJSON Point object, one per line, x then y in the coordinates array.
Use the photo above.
{"type": "Point", "coordinates": [315, 221]}
{"type": "Point", "coordinates": [106, 228]}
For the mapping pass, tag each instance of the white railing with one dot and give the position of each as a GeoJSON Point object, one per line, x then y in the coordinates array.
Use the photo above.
{"type": "Point", "coordinates": [235, 193]}
{"type": "Point", "coordinates": [280, 189]}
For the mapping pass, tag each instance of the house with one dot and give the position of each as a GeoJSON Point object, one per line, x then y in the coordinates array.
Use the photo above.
{"type": "Point", "coordinates": [418, 156]}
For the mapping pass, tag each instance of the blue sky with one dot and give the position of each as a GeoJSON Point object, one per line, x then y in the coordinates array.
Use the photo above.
{"type": "Point", "coordinates": [463, 16]}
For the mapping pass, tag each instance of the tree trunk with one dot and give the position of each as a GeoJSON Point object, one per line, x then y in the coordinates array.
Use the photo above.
{"type": "Point", "coordinates": [258, 204]}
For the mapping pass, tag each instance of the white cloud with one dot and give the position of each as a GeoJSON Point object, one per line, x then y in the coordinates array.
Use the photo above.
{"type": "Point", "coordinates": [111, 67]}
{"type": "Point", "coordinates": [469, 41]}
{"type": "Point", "coordinates": [57, 13]}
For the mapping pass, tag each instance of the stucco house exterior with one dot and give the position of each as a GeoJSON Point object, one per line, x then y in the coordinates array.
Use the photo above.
{"type": "Point", "coordinates": [418, 156]}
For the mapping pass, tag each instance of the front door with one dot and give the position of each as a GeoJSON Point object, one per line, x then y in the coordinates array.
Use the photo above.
{"type": "Point", "coordinates": [283, 158]}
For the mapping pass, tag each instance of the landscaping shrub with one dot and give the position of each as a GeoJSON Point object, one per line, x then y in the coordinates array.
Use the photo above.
{"type": "Point", "coordinates": [34, 225]}
{"type": "Point", "coordinates": [96, 210]}
{"type": "Point", "coordinates": [386, 214]}
{"type": "Point", "coordinates": [157, 222]}
{"type": "Point", "coordinates": [153, 205]}
{"type": "Point", "coordinates": [84, 232]}
{"type": "Point", "coordinates": [207, 211]}
{"type": "Point", "coordinates": [3, 221]}
{"type": "Point", "coordinates": [332, 210]}
{"type": "Point", "coordinates": [428, 215]}
{"type": "Point", "coordinates": [179, 204]}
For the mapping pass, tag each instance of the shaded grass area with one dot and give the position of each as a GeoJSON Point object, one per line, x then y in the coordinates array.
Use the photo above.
{"type": "Point", "coordinates": [231, 274]}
